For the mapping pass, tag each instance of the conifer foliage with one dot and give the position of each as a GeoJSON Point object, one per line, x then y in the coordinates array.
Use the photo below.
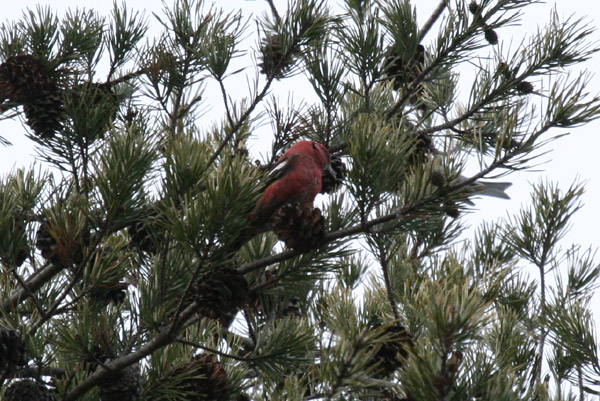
{"type": "Point", "coordinates": [118, 275]}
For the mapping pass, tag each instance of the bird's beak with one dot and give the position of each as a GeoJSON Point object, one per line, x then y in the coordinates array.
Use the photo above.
{"type": "Point", "coordinates": [330, 170]}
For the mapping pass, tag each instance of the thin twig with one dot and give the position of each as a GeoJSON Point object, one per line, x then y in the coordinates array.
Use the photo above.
{"type": "Point", "coordinates": [274, 11]}
{"type": "Point", "coordinates": [434, 17]}
{"type": "Point", "coordinates": [29, 293]}
{"type": "Point", "coordinates": [212, 350]}
{"type": "Point", "coordinates": [32, 285]}
{"type": "Point", "coordinates": [541, 264]}
{"type": "Point", "coordinates": [226, 102]}
{"type": "Point", "coordinates": [235, 127]}
{"type": "Point", "coordinates": [258, 99]}
{"type": "Point", "coordinates": [126, 77]}
{"type": "Point", "coordinates": [46, 316]}
{"type": "Point", "coordinates": [383, 260]}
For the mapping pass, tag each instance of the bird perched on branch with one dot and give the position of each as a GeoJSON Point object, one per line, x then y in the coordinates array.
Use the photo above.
{"type": "Point", "coordinates": [295, 180]}
{"type": "Point", "coordinates": [492, 189]}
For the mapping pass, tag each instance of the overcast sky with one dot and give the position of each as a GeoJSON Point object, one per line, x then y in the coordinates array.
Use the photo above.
{"type": "Point", "coordinates": [572, 157]}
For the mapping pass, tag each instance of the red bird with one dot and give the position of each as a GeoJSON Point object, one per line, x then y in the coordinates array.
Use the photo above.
{"type": "Point", "coordinates": [296, 178]}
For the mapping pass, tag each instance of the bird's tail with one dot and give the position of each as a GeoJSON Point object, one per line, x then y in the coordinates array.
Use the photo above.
{"type": "Point", "coordinates": [486, 188]}
{"type": "Point", "coordinates": [493, 189]}
{"type": "Point", "coordinates": [245, 235]}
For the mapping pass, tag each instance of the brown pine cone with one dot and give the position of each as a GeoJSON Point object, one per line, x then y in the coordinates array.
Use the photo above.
{"type": "Point", "coordinates": [474, 8]}
{"type": "Point", "coordinates": [524, 87]}
{"type": "Point", "coordinates": [22, 77]}
{"type": "Point", "coordinates": [25, 80]}
{"type": "Point", "coordinates": [63, 245]}
{"type": "Point", "coordinates": [404, 71]}
{"type": "Point", "coordinates": [390, 354]}
{"type": "Point", "coordinates": [221, 294]}
{"type": "Point", "coordinates": [274, 63]}
{"type": "Point", "coordinates": [301, 229]}
{"type": "Point", "coordinates": [491, 36]}
{"type": "Point", "coordinates": [202, 378]}
{"type": "Point", "coordinates": [12, 350]}
{"type": "Point", "coordinates": [28, 390]}
{"type": "Point", "coordinates": [122, 385]}
{"type": "Point", "coordinates": [44, 116]}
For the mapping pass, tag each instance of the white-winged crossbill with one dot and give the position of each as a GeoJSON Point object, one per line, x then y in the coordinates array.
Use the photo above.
{"type": "Point", "coordinates": [295, 179]}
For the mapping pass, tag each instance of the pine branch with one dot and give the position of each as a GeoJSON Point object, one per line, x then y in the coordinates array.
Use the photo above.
{"type": "Point", "coordinates": [33, 284]}
{"type": "Point", "coordinates": [226, 102]}
{"type": "Point", "coordinates": [29, 293]}
{"type": "Point", "coordinates": [54, 308]}
{"type": "Point", "coordinates": [165, 336]}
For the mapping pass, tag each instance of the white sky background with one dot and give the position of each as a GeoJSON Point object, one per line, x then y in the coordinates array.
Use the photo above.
{"type": "Point", "coordinates": [573, 157]}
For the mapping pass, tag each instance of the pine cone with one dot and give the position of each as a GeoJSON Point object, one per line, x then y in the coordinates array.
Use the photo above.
{"type": "Point", "coordinates": [474, 8]}
{"type": "Point", "coordinates": [423, 147]}
{"type": "Point", "coordinates": [437, 178]}
{"type": "Point", "coordinates": [25, 80]}
{"type": "Point", "coordinates": [274, 62]}
{"type": "Point", "coordinates": [491, 36]}
{"type": "Point", "coordinates": [12, 350]}
{"type": "Point", "coordinates": [503, 70]}
{"type": "Point", "coordinates": [28, 390]}
{"type": "Point", "coordinates": [404, 71]}
{"type": "Point", "coordinates": [122, 385]}
{"type": "Point", "coordinates": [61, 246]}
{"type": "Point", "coordinates": [221, 295]}
{"type": "Point", "coordinates": [141, 231]}
{"type": "Point", "coordinates": [451, 209]}
{"type": "Point", "coordinates": [44, 116]}
{"type": "Point", "coordinates": [524, 87]}
{"type": "Point", "coordinates": [389, 354]}
{"type": "Point", "coordinates": [203, 378]}
{"type": "Point", "coordinates": [301, 229]}
{"type": "Point", "coordinates": [21, 77]}
{"type": "Point", "coordinates": [330, 182]}
{"type": "Point", "coordinates": [45, 242]}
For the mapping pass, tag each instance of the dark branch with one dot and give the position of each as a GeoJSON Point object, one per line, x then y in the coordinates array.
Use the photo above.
{"type": "Point", "coordinates": [434, 17]}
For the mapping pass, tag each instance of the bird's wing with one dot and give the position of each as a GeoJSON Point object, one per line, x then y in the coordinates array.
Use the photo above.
{"type": "Point", "coordinates": [281, 169]}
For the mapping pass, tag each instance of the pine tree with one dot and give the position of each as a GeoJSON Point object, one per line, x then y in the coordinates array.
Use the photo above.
{"type": "Point", "coordinates": [117, 275]}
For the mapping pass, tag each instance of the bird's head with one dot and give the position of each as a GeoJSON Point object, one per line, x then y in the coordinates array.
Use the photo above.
{"type": "Point", "coordinates": [319, 153]}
